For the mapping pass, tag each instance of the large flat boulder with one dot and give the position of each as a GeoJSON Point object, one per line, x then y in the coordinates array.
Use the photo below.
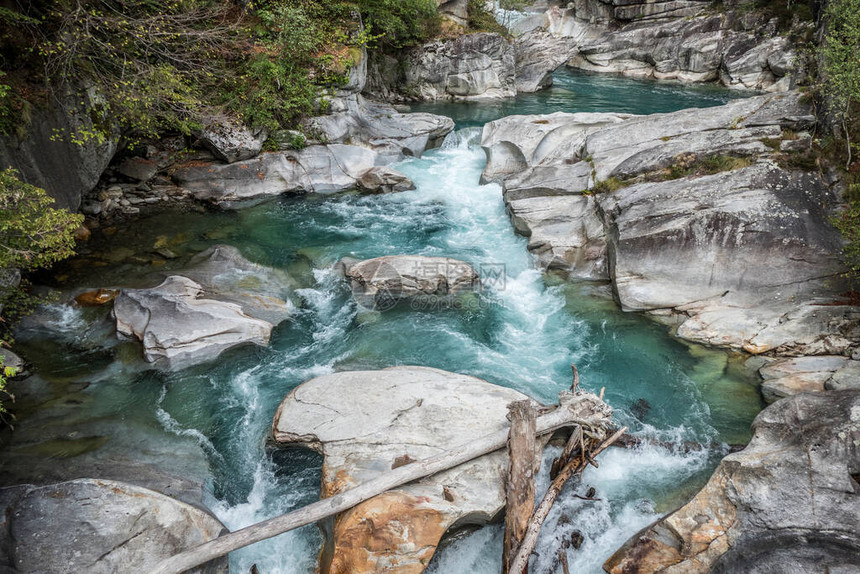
{"type": "Point", "coordinates": [379, 127]}
{"type": "Point", "coordinates": [315, 169]}
{"type": "Point", "coordinates": [689, 245]}
{"type": "Point", "coordinates": [99, 527]}
{"type": "Point", "coordinates": [220, 300]}
{"type": "Point", "coordinates": [788, 502]}
{"type": "Point", "coordinates": [368, 422]}
{"type": "Point", "coordinates": [178, 327]}
{"type": "Point", "coordinates": [383, 281]}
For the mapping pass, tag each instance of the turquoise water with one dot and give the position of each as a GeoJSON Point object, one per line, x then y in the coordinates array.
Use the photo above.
{"type": "Point", "coordinates": [524, 333]}
{"type": "Point", "coordinates": [578, 91]}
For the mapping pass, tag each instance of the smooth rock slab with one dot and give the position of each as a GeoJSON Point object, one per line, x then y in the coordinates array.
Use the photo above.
{"type": "Point", "coordinates": [98, 527]}
{"type": "Point", "coordinates": [365, 423]}
{"type": "Point", "coordinates": [382, 281]}
{"type": "Point", "coordinates": [565, 233]}
{"type": "Point", "coordinates": [315, 169]}
{"type": "Point", "coordinates": [788, 502]}
{"type": "Point", "coordinates": [179, 328]}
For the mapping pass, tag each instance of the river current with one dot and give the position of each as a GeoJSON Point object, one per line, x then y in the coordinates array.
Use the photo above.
{"type": "Point", "coordinates": [524, 333]}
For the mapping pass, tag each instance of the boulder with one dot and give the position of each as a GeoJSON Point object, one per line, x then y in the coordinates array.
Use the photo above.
{"type": "Point", "coordinates": [230, 140]}
{"type": "Point", "coordinates": [10, 360]}
{"type": "Point", "coordinates": [382, 282]}
{"type": "Point", "coordinates": [368, 422]}
{"type": "Point", "coordinates": [62, 166]}
{"type": "Point", "coordinates": [472, 66]}
{"type": "Point", "coordinates": [384, 180]}
{"type": "Point", "coordinates": [98, 526]}
{"type": "Point", "coordinates": [262, 292]}
{"type": "Point", "coordinates": [379, 127]}
{"type": "Point", "coordinates": [846, 377]}
{"type": "Point", "coordinates": [515, 143]}
{"type": "Point", "coordinates": [689, 244]}
{"type": "Point", "coordinates": [543, 43]}
{"type": "Point", "coordinates": [315, 169]}
{"type": "Point", "coordinates": [676, 41]}
{"type": "Point", "coordinates": [179, 328]}
{"type": "Point", "coordinates": [788, 502]}
{"type": "Point", "coordinates": [137, 168]}
{"type": "Point", "coordinates": [565, 233]}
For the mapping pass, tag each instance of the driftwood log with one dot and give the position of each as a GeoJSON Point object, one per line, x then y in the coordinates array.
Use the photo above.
{"type": "Point", "coordinates": [581, 409]}
{"type": "Point", "coordinates": [520, 485]}
{"type": "Point", "coordinates": [570, 468]}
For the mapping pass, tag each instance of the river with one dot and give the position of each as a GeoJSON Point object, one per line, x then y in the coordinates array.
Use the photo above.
{"type": "Point", "coordinates": [524, 333]}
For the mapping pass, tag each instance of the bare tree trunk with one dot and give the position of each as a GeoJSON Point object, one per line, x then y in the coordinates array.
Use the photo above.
{"type": "Point", "coordinates": [576, 466]}
{"type": "Point", "coordinates": [566, 414]}
{"type": "Point", "coordinates": [520, 486]}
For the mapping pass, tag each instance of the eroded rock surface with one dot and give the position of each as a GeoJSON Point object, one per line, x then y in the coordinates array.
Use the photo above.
{"type": "Point", "coordinates": [382, 281]}
{"type": "Point", "coordinates": [315, 169]}
{"type": "Point", "coordinates": [220, 302]}
{"type": "Point", "coordinates": [473, 66]}
{"type": "Point", "coordinates": [231, 141]}
{"type": "Point", "coordinates": [744, 258]}
{"type": "Point", "coordinates": [98, 526]}
{"type": "Point", "coordinates": [379, 127]}
{"type": "Point", "coordinates": [789, 502]}
{"type": "Point", "coordinates": [368, 422]}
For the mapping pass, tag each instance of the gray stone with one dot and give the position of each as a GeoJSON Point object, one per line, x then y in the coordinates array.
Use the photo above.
{"type": "Point", "coordinates": [65, 169]}
{"type": "Point", "coordinates": [786, 503]}
{"type": "Point", "coordinates": [690, 244]}
{"type": "Point", "coordinates": [472, 66]}
{"type": "Point", "coordinates": [100, 527]}
{"type": "Point", "coordinates": [847, 377]}
{"type": "Point", "coordinates": [787, 367]}
{"type": "Point", "coordinates": [384, 180]}
{"type": "Point", "coordinates": [379, 127]}
{"type": "Point", "coordinates": [231, 141]}
{"type": "Point", "coordinates": [675, 40]}
{"type": "Point", "coordinates": [367, 422]}
{"type": "Point", "coordinates": [315, 169]}
{"type": "Point", "coordinates": [179, 328]}
{"type": "Point", "coordinates": [565, 233]}
{"type": "Point", "coordinates": [515, 143]}
{"type": "Point", "coordinates": [138, 168]}
{"type": "Point", "coordinates": [381, 282]}
{"type": "Point", "coordinates": [10, 360]}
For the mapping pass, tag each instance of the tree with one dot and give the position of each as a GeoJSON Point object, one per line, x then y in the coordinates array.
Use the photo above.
{"type": "Point", "coordinates": [840, 65]}
{"type": "Point", "coordinates": [33, 236]}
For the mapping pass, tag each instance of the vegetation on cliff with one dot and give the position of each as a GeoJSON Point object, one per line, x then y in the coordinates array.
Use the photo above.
{"type": "Point", "coordinates": [839, 88]}
{"type": "Point", "coordinates": [166, 66]}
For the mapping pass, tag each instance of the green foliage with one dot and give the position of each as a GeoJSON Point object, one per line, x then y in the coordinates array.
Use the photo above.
{"type": "Point", "coordinates": [168, 65]}
{"type": "Point", "coordinates": [609, 185]}
{"type": "Point", "coordinates": [33, 235]}
{"type": "Point", "coordinates": [839, 80]}
{"type": "Point", "coordinates": [848, 223]}
{"type": "Point", "coordinates": [399, 24]}
{"type": "Point", "coordinates": [482, 20]}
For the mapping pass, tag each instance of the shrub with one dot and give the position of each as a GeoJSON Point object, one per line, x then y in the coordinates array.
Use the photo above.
{"type": "Point", "coordinates": [839, 77]}
{"type": "Point", "coordinates": [395, 24]}
{"type": "Point", "coordinates": [483, 20]}
{"type": "Point", "coordinates": [33, 236]}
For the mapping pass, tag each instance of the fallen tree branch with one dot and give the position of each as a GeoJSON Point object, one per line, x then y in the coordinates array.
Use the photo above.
{"type": "Point", "coordinates": [520, 485]}
{"type": "Point", "coordinates": [521, 561]}
{"type": "Point", "coordinates": [565, 415]}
